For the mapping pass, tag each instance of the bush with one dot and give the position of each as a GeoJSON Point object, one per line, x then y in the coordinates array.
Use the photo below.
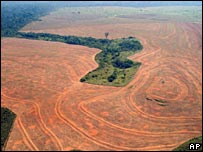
{"type": "Point", "coordinates": [111, 78]}
{"type": "Point", "coordinates": [82, 79]}
{"type": "Point", "coordinates": [122, 64]}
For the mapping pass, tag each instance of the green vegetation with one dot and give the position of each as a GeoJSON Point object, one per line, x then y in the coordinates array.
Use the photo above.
{"type": "Point", "coordinates": [7, 119]}
{"type": "Point", "coordinates": [16, 15]}
{"type": "Point", "coordinates": [114, 67]}
{"type": "Point", "coordinates": [185, 146]}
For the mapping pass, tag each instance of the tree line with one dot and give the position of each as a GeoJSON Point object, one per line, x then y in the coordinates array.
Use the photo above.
{"type": "Point", "coordinates": [15, 15]}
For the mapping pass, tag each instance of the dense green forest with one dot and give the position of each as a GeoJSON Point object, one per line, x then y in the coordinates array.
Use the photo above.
{"type": "Point", "coordinates": [114, 67]}
{"type": "Point", "coordinates": [7, 120]}
{"type": "Point", "coordinates": [15, 15]}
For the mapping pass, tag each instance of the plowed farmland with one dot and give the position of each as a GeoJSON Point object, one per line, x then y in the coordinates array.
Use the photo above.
{"type": "Point", "coordinates": [158, 110]}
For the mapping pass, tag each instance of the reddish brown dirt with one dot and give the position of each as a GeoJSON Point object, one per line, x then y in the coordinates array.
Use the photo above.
{"type": "Point", "coordinates": [57, 112]}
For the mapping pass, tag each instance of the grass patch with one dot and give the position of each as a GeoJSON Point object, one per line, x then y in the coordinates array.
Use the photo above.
{"type": "Point", "coordinates": [7, 120]}
{"type": "Point", "coordinates": [185, 146]}
{"type": "Point", "coordinates": [117, 78]}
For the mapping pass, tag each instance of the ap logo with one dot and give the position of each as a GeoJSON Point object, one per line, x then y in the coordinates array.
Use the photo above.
{"type": "Point", "coordinates": [195, 146]}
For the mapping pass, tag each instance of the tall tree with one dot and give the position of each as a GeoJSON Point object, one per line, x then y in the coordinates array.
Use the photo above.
{"type": "Point", "coordinates": [106, 34]}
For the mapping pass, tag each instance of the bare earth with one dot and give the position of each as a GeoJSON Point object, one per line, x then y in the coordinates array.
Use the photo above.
{"type": "Point", "coordinates": [40, 82]}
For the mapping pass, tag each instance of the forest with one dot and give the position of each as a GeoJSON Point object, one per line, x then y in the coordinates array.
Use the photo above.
{"type": "Point", "coordinates": [7, 120]}
{"type": "Point", "coordinates": [16, 15]}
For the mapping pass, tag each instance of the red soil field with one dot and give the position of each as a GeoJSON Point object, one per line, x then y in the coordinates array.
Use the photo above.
{"type": "Point", "coordinates": [40, 82]}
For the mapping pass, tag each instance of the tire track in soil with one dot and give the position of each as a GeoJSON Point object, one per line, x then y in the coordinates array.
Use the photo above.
{"type": "Point", "coordinates": [130, 94]}
{"type": "Point", "coordinates": [29, 142]}
{"type": "Point", "coordinates": [83, 133]}
{"type": "Point", "coordinates": [42, 126]}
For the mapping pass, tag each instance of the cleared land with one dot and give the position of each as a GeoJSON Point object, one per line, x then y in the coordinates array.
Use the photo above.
{"type": "Point", "coordinates": [40, 83]}
{"type": "Point", "coordinates": [110, 19]}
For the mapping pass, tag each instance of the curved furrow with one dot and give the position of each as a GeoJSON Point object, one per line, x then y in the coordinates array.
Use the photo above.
{"type": "Point", "coordinates": [157, 148]}
{"type": "Point", "coordinates": [128, 130]}
{"type": "Point", "coordinates": [186, 35]}
{"type": "Point", "coordinates": [43, 125]}
{"type": "Point", "coordinates": [93, 139]}
{"type": "Point", "coordinates": [81, 104]}
{"type": "Point", "coordinates": [46, 129]}
{"type": "Point", "coordinates": [123, 90]}
{"type": "Point", "coordinates": [132, 104]}
{"type": "Point", "coordinates": [29, 142]}
{"type": "Point", "coordinates": [169, 35]}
